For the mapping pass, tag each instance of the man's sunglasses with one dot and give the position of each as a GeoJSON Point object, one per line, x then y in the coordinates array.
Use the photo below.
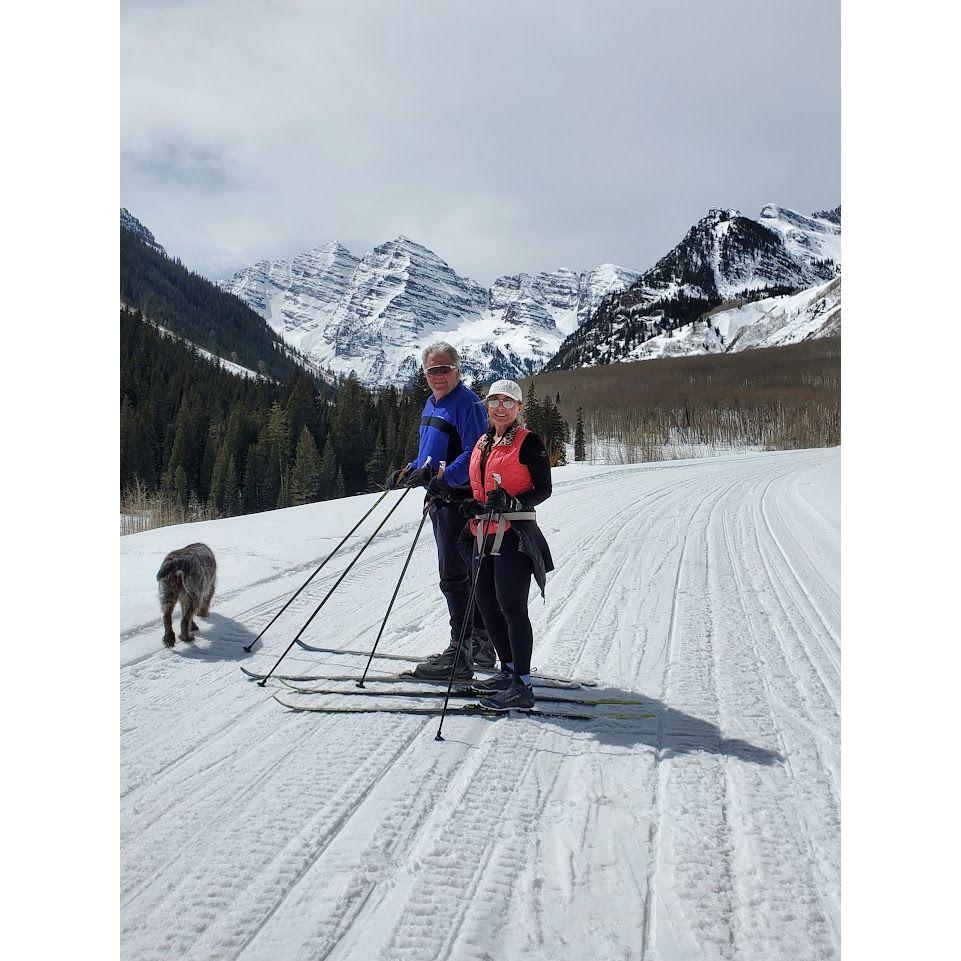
{"type": "Point", "coordinates": [508, 403]}
{"type": "Point", "coordinates": [439, 370]}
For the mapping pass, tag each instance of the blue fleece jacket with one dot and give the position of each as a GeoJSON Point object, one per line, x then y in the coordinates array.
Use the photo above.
{"type": "Point", "coordinates": [449, 428]}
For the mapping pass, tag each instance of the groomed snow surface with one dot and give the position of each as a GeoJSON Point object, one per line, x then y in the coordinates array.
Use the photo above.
{"type": "Point", "coordinates": [708, 588]}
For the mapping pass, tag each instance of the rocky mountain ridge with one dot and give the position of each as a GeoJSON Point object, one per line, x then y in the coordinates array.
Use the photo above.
{"type": "Point", "coordinates": [374, 314]}
{"type": "Point", "coordinates": [725, 256]}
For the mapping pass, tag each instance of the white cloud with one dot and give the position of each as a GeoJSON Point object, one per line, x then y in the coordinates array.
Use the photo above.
{"type": "Point", "coordinates": [504, 136]}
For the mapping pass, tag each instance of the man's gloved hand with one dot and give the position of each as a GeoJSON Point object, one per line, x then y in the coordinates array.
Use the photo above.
{"type": "Point", "coordinates": [394, 480]}
{"type": "Point", "coordinates": [500, 501]}
{"type": "Point", "coordinates": [439, 490]}
{"type": "Point", "coordinates": [470, 508]}
{"type": "Point", "coordinates": [420, 476]}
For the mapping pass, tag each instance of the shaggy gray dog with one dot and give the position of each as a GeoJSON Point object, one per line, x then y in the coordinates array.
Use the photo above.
{"type": "Point", "coordinates": [189, 576]}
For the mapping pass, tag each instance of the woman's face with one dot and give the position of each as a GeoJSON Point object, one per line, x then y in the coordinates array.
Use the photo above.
{"type": "Point", "coordinates": [500, 416]}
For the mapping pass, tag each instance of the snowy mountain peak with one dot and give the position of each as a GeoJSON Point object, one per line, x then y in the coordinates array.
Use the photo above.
{"type": "Point", "coordinates": [373, 315]}
{"type": "Point", "coordinates": [718, 215]}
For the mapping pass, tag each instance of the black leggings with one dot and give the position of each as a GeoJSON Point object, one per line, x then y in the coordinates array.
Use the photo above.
{"type": "Point", "coordinates": [503, 584]}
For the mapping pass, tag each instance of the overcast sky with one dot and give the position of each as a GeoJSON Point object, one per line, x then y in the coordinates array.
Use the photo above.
{"type": "Point", "coordinates": [506, 136]}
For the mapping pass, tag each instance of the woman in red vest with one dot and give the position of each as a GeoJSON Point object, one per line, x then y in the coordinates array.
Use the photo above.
{"type": "Point", "coordinates": [509, 476]}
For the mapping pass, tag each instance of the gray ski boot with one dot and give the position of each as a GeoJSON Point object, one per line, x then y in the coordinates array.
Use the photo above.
{"type": "Point", "coordinates": [438, 667]}
{"type": "Point", "coordinates": [482, 648]}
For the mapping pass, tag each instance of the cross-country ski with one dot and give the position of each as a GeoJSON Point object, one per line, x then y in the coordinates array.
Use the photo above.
{"type": "Point", "coordinates": [460, 693]}
{"type": "Point", "coordinates": [470, 710]}
{"type": "Point", "coordinates": [407, 678]}
{"type": "Point", "coordinates": [413, 659]}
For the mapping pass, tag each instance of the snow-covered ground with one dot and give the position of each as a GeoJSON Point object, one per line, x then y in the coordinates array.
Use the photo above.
{"type": "Point", "coordinates": [708, 588]}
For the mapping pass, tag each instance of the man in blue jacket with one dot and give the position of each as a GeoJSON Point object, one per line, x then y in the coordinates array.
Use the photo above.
{"type": "Point", "coordinates": [452, 420]}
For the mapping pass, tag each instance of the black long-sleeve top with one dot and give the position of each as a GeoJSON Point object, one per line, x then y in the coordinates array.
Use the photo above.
{"type": "Point", "coordinates": [534, 457]}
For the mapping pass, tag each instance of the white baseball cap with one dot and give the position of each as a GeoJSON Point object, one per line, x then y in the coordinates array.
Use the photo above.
{"type": "Point", "coordinates": [509, 388]}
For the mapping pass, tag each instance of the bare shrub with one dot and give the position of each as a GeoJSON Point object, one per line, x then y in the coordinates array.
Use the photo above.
{"type": "Point", "coordinates": [142, 511]}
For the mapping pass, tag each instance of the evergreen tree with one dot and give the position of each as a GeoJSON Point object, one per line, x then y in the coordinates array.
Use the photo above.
{"type": "Point", "coordinates": [177, 488]}
{"type": "Point", "coordinates": [377, 466]}
{"type": "Point", "coordinates": [182, 472]}
{"type": "Point", "coordinates": [283, 494]}
{"type": "Point", "coordinates": [260, 493]}
{"type": "Point", "coordinates": [350, 433]}
{"type": "Point", "coordinates": [420, 388]}
{"type": "Point", "coordinates": [300, 408]}
{"type": "Point", "coordinates": [230, 495]}
{"type": "Point", "coordinates": [305, 474]}
{"type": "Point", "coordinates": [532, 411]}
{"type": "Point", "coordinates": [553, 432]}
{"type": "Point", "coordinates": [327, 480]}
{"type": "Point", "coordinates": [277, 436]}
{"type": "Point", "coordinates": [580, 448]}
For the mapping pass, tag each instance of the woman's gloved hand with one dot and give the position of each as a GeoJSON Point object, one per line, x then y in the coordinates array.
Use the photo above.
{"type": "Point", "coordinates": [501, 502]}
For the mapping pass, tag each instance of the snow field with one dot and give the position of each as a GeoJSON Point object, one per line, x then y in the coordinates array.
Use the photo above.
{"type": "Point", "coordinates": [709, 588]}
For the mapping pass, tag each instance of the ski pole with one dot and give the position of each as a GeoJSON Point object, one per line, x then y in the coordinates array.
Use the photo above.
{"type": "Point", "coordinates": [336, 584]}
{"type": "Point", "coordinates": [249, 647]}
{"type": "Point", "coordinates": [468, 616]}
{"type": "Point", "coordinates": [420, 527]}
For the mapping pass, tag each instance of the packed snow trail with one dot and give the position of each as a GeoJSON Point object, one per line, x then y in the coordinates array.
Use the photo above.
{"type": "Point", "coordinates": [709, 589]}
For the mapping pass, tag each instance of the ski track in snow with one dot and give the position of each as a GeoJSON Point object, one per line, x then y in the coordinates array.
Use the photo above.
{"type": "Point", "coordinates": [709, 588]}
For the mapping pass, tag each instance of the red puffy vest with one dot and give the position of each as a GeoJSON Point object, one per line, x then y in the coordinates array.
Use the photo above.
{"type": "Point", "coordinates": [504, 459]}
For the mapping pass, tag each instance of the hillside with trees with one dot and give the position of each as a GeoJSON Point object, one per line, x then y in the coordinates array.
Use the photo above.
{"type": "Point", "coordinates": [197, 441]}
{"type": "Point", "coordinates": [191, 306]}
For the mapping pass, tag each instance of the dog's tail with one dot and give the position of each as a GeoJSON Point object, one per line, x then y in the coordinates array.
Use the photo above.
{"type": "Point", "coordinates": [170, 566]}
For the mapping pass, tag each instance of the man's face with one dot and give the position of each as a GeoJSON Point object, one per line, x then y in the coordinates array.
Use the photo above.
{"type": "Point", "coordinates": [442, 375]}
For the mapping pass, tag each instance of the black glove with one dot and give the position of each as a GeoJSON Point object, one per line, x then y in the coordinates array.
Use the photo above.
{"type": "Point", "coordinates": [420, 476]}
{"type": "Point", "coordinates": [439, 490]}
{"type": "Point", "coordinates": [500, 501]}
{"type": "Point", "coordinates": [470, 508]}
{"type": "Point", "coordinates": [393, 479]}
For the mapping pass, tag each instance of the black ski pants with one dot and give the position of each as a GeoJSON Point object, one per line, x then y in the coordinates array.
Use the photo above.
{"type": "Point", "coordinates": [448, 523]}
{"type": "Point", "coordinates": [503, 583]}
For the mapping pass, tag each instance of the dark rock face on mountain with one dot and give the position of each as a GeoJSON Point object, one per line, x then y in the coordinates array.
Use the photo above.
{"type": "Point", "coordinates": [723, 257]}
{"type": "Point", "coordinates": [833, 216]}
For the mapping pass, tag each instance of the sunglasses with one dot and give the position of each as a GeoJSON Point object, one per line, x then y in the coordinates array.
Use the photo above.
{"type": "Point", "coordinates": [439, 370]}
{"type": "Point", "coordinates": [508, 403]}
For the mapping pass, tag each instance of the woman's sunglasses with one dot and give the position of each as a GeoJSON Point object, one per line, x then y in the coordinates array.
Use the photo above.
{"type": "Point", "coordinates": [508, 403]}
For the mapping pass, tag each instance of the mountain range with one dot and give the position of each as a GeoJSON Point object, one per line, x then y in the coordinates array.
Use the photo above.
{"type": "Point", "coordinates": [373, 314]}
{"type": "Point", "coordinates": [760, 280]}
